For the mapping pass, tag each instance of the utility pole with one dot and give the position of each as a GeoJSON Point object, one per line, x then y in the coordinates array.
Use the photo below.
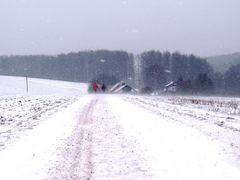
{"type": "Point", "coordinates": [87, 74]}
{"type": "Point", "coordinates": [26, 73]}
{"type": "Point", "coordinates": [27, 84]}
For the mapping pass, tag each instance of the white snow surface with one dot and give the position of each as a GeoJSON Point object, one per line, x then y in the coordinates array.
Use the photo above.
{"type": "Point", "coordinates": [21, 110]}
{"type": "Point", "coordinates": [31, 157]}
{"type": "Point", "coordinates": [174, 150]}
{"type": "Point", "coordinates": [58, 131]}
{"type": "Point", "coordinates": [16, 86]}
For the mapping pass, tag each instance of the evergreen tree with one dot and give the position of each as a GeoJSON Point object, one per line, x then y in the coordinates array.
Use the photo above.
{"type": "Point", "coordinates": [232, 79]}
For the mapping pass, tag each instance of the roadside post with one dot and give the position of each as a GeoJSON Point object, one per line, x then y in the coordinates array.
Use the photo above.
{"type": "Point", "coordinates": [27, 84]}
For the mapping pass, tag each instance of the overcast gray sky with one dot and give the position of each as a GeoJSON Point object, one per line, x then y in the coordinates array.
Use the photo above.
{"type": "Point", "coordinates": [202, 27]}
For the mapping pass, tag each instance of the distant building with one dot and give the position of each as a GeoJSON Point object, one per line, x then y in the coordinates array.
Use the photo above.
{"type": "Point", "coordinates": [171, 87]}
{"type": "Point", "coordinates": [122, 87]}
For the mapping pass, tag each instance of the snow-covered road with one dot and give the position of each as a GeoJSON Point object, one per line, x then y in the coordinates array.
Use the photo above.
{"type": "Point", "coordinates": [126, 137]}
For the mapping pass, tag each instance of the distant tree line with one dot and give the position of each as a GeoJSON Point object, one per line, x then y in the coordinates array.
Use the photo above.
{"type": "Point", "coordinates": [222, 63]}
{"type": "Point", "coordinates": [193, 74]}
{"type": "Point", "coordinates": [156, 69]}
{"type": "Point", "coordinates": [231, 79]}
{"type": "Point", "coordinates": [201, 84]}
{"type": "Point", "coordinates": [159, 68]}
{"type": "Point", "coordinates": [101, 65]}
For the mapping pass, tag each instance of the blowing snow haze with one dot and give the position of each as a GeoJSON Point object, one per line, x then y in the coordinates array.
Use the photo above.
{"type": "Point", "coordinates": [203, 27]}
{"type": "Point", "coordinates": [141, 101]}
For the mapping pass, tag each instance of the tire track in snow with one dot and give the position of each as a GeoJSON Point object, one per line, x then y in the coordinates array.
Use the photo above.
{"type": "Point", "coordinates": [99, 149]}
{"type": "Point", "coordinates": [117, 155]}
{"type": "Point", "coordinates": [75, 162]}
{"type": "Point", "coordinates": [85, 167]}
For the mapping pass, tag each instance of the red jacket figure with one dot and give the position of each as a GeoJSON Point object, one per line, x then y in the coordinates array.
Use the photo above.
{"type": "Point", "coordinates": [95, 86]}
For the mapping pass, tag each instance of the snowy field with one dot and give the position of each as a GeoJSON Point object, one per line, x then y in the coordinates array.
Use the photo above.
{"type": "Point", "coordinates": [16, 86]}
{"type": "Point", "coordinates": [21, 110]}
{"type": "Point", "coordinates": [57, 131]}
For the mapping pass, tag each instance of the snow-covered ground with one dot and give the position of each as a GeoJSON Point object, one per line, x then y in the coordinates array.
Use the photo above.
{"type": "Point", "coordinates": [57, 131]}
{"type": "Point", "coordinates": [21, 110]}
{"type": "Point", "coordinates": [16, 86]}
{"type": "Point", "coordinates": [217, 118]}
{"type": "Point", "coordinates": [175, 149]}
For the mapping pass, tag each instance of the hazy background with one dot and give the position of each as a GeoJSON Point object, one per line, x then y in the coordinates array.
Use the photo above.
{"type": "Point", "coordinates": [203, 27]}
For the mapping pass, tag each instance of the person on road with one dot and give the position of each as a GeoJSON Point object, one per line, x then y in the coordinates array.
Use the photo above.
{"type": "Point", "coordinates": [104, 87]}
{"type": "Point", "coordinates": [95, 87]}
